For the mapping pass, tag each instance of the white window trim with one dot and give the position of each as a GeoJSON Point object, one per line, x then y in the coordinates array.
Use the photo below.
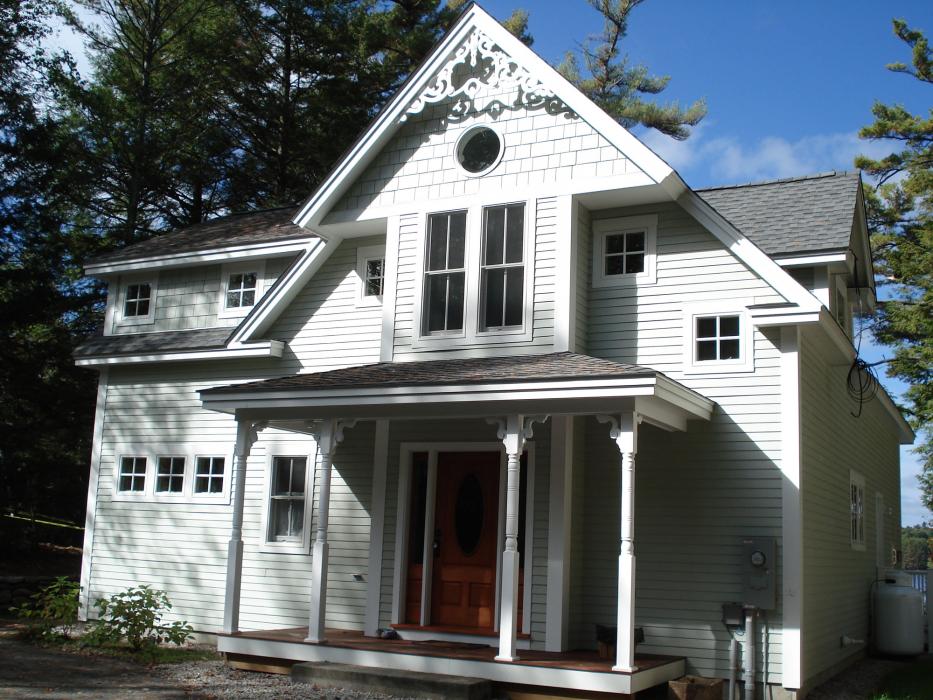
{"type": "Point", "coordinates": [857, 480]}
{"type": "Point", "coordinates": [288, 449]}
{"type": "Point", "coordinates": [746, 363]}
{"type": "Point", "coordinates": [472, 333]}
{"type": "Point", "coordinates": [363, 255]}
{"type": "Point", "coordinates": [257, 266]}
{"type": "Point", "coordinates": [602, 228]}
{"type": "Point", "coordinates": [124, 285]}
{"type": "Point", "coordinates": [152, 453]}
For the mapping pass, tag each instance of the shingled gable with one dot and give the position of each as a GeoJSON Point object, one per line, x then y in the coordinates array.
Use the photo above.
{"type": "Point", "coordinates": [654, 171]}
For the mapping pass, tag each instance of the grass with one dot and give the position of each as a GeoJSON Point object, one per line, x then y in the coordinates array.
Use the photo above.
{"type": "Point", "coordinates": [148, 655]}
{"type": "Point", "coordinates": [912, 683]}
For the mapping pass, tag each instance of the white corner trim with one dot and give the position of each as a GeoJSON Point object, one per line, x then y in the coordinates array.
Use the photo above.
{"type": "Point", "coordinates": [90, 518]}
{"type": "Point", "coordinates": [565, 289]}
{"type": "Point", "coordinates": [377, 528]}
{"type": "Point", "coordinates": [792, 589]}
{"type": "Point", "coordinates": [387, 339]}
{"type": "Point", "coordinates": [269, 348]}
{"type": "Point", "coordinates": [285, 290]}
{"type": "Point", "coordinates": [239, 253]}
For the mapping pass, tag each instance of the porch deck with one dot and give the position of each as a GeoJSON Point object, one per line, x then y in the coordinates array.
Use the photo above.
{"type": "Point", "coordinates": [577, 670]}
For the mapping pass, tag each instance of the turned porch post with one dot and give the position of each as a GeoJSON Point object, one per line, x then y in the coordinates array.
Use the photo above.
{"type": "Point", "coordinates": [328, 434]}
{"type": "Point", "coordinates": [513, 430]}
{"type": "Point", "coordinates": [247, 433]}
{"type": "Point", "coordinates": [624, 431]}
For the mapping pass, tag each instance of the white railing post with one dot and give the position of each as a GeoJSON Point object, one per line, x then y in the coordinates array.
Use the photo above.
{"type": "Point", "coordinates": [246, 435]}
{"type": "Point", "coordinates": [624, 432]}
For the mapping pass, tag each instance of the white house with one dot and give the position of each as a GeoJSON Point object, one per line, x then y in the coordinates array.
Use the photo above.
{"type": "Point", "coordinates": [421, 401]}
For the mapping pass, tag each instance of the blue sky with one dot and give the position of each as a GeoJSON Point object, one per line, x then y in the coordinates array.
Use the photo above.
{"type": "Point", "coordinates": [787, 86]}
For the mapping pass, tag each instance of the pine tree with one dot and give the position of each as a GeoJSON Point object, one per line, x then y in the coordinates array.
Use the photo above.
{"type": "Point", "coordinates": [619, 86]}
{"type": "Point", "coordinates": [901, 213]}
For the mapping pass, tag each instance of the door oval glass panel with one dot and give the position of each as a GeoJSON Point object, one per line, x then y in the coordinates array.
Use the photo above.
{"type": "Point", "coordinates": [469, 512]}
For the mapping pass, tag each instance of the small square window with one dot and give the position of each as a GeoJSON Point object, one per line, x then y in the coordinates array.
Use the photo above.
{"type": "Point", "coordinates": [209, 475]}
{"type": "Point", "coordinates": [132, 474]}
{"type": "Point", "coordinates": [241, 290]}
{"type": "Point", "coordinates": [717, 338]}
{"type": "Point", "coordinates": [624, 250]}
{"type": "Point", "coordinates": [170, 475]}
{"type": "Point", "coordinates": [137, 301]}
{"type": "Point", "coordinates": [287, 499]}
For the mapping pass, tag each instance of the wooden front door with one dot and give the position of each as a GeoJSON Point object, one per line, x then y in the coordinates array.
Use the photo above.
{"type": "Point", "coordinates": [466, 517]}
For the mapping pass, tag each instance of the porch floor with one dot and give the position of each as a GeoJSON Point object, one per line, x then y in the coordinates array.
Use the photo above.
{"type": "Point", "coordinates": [582, 669]}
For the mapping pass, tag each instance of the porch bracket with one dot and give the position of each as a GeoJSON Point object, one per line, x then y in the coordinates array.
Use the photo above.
{"type": "Point", "coordinates": [513, 431]}
{"type": "Point", "coordinates": [328, 434]}
{"type": "Point", "coordinates": [247, 433]}
{"type": "Point", "coordinates": [624, 431]}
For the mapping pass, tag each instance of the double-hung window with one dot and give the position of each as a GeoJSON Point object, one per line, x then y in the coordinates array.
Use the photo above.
{"type": "Point", "coordinates": [444, 273]}
{"type": "Point", "coordinates": [503, 269]}
{"type": "Point", "coordinates": [287, 499]}
{"type": "Point", "coordinates": [209, 475]}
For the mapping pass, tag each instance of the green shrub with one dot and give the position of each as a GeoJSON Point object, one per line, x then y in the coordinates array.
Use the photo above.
{"type": "Point", "coordinates": [136, 616]}
{"type": "Point", "coordinates": [53, 612]}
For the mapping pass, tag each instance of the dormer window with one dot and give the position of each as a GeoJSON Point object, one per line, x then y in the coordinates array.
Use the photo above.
{"type": "Point", "coordinates": [136, 304]}
{"type": "Point", "coordinates": [241, 290]}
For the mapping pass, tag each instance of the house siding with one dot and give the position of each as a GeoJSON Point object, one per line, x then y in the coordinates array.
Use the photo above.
{"type": "Point", "coordinates": [189, 297]}
{"type": "Point", "coordinates": [837, 579]}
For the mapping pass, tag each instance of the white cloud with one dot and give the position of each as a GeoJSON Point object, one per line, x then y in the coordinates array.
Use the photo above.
{"type": "Point", "coordinates": [705, 159]}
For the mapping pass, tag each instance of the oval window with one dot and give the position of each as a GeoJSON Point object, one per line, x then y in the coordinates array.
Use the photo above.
{"type": "Point", "coordinates": [468, 515]}
{"type": "Point", "coordinates": [478, 150]}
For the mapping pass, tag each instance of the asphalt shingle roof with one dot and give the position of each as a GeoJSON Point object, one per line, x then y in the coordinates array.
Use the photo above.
{"type": "Point", "coordinates": [236, 229]}
{"type": "Point", "coordinates": [164, 341]}
{"type": "Point", "coordinates": [791, 216]}
{"type": "Point", "coordinates": [553, 366]}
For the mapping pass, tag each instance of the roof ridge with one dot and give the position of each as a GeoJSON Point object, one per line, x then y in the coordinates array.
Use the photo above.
{"type": "Point", "coordinates": [778, 181]}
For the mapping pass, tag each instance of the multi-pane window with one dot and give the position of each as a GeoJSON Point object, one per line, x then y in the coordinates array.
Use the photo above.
{"type": "Point", "coordinates": [374, 276]}
{"type": "Point", "coordinates": [170, 475]}
{"type": "Point", "coordinates": [132, 474]}
{"type": "Point", "coordinates": [209, 475]}
{"type": "Point", "coordinates": [624, 253]}
{"type": "Point", "coordinates": [857, 510]}
{"type": "Point", "coordinates": [287, 508]}
{"type": "Point", "coordinates": [241, 290]}
{"type": "Point", "coordinates": [503, 270]}
{"type": "Point", "coordinates": [717, 338]}
{"type": "Point", "coordinates": [137, 300]}
{"type": "Point", "coordinates": [444, 275]}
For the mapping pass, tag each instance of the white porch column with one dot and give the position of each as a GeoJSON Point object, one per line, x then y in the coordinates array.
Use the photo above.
{"type": "Point", "coordinates": [624, 431]}
{"type": "Point", "coordinates": [514, 430]}
{"type": "Point", "coordinates": [247, 433]}
{"type": "Point", "coordinates": [328, 434]}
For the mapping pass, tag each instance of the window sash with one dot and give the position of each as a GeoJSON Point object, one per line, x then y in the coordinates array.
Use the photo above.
{"type": "Point", "coordinates": [374, 277]}
{"type": "Point", "coordinates": [629, 258]}
{"type": "Point", "coordinates": [715, 344]}
{"type": "Point", "coordinates": [132, 474]}
{"type": "Point", "coordinates": [502, 271]}
{"type": "Point", "coordinates": [137, 300]}
{"type": "Point", "coordinates": [170, 475]}
{"type": "Point", "coordinates": [241, 290]}
{"type": "Point", "coordinates": [209, 475]}
{"type": "Point", "coordinates": [287, 499]}
{"type": "Point", "coordinates": [444, 296]}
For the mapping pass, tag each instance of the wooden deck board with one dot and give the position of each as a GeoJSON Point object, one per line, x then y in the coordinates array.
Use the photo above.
{"type": "Point", "coordinates": [582, 660]}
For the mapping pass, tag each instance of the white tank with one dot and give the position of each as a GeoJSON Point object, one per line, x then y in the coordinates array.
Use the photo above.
{"type": "Point", "coordinates": [898, 617]}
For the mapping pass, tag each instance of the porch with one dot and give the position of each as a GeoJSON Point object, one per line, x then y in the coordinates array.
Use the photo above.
{"type": "Point", "coordinates": [580, 670]}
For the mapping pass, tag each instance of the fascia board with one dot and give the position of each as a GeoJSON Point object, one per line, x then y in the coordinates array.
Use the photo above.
{"type": "Point", "coordinates": [272, 348]}
{"type": "Point", "coordinates": [740, 246]}
{"type": "Point", "coordinates": [284, 291]}
{"type": "Point", "coordinates": [807, 260]}
{"type": "Point", "coordinates": [385, 126]}
{"type": "Point", "coordinates": [764, 318]}
{"type": "Point", "coordinates": [259, 250]}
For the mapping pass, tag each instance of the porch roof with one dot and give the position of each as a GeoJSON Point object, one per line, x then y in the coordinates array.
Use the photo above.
{"type": "Point", "coordinates": [554, 383]}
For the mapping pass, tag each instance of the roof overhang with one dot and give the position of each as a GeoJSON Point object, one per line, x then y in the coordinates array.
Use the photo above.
{"type": "Point", "coordinates": [659, 400]}
{"type": "Point", "coordinates": [270, 348]}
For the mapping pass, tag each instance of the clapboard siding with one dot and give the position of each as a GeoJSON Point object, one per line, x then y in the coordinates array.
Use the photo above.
{"type": "Point", "coordinates": [837, 579]}
{"type": "Point", "coordinates": [697, 494]}
{"type": "Point", "coordinates": [420, 160]}
{"type": "Point", "coordinates": [189, 297]}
